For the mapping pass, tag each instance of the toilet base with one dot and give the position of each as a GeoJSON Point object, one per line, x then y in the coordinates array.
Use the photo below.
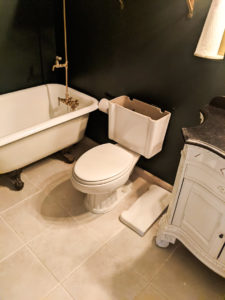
{"type": "Point", "coordinates": [101, 203]}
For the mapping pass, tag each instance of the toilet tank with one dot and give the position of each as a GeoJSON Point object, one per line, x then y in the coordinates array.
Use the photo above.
{"type": "Point", "coordinates": [136, 125]}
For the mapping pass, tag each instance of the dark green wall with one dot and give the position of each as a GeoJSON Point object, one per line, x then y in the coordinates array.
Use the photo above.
{"type": "Point", "coordinates": [27, 43]}
{"type": "Point", "coordinates": [144, 51]}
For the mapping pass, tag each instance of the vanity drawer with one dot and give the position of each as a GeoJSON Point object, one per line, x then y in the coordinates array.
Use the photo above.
{"type": "Point", "coordinates": [206, 158]}
{"type": "Point", "coordinates": [210, 179]}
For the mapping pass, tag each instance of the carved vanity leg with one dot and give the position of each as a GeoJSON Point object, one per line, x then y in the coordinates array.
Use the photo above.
{"type": "Point", "coordinates": [163, 240]}
{"type": "Point", "coordinates": [15, 178]}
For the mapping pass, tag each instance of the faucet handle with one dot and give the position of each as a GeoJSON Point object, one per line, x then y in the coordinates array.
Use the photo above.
{"type": "Point", "coordinates": [58, 58]}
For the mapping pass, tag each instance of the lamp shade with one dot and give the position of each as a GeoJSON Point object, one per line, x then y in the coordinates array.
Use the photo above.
{"type": "Point", "coordinates": [212, 40]}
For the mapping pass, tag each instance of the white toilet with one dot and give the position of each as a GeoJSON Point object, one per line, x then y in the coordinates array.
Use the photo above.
{"type": "Point", "coordinates": [103, 169]}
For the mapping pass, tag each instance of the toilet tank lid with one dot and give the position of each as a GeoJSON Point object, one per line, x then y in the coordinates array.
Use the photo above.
{"type": "Point", "coordinates": [103, 162]}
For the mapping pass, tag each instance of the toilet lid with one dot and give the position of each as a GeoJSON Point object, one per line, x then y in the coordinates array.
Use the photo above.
{"type": "Point", "coordinates": [103, 162]}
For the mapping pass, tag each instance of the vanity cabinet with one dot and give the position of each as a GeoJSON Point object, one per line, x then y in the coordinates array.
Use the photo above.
{"type": "Point", "coordinates": [196, 215]}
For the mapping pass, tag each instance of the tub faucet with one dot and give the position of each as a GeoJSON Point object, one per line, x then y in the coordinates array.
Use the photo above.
{"type": "Point", "coordinates": [58, 65]}
{"type": "Point", "coordinates": [68, 100]}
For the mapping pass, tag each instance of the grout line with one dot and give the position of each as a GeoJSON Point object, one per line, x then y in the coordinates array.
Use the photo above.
{"type": "Point", "coordinates": [164, 263]}
{"type": "Point", "coordinates": [12, 253]}
{"type": "Point", "coordinates": [39, 260]}
{"type": "Point", "coordinates": [154, 289]}
{"type": "Point", "coordinates": [98, 249]}
{"type": "Point", "coordinates": [72, 297]}
{"type": "Point", "coordinates": [26, 246]}
{"type": "Point", "coordinates": [37, 235]}
{"type": "Point", "coordinates": [149, 281]}
{"type": "Point", "coordinates": [157, 290]}
{"type": "Point", "coordinates": [46, 160]}
{"type": "Point", "coordinates": [24, 243]}
{"type": "Point", "coordinates": [161, 266]}
{"type": "Point", "coordinates": [60, 281]}
{"type": "Point", "coordinates": [51, 290]}
{"type": "Point", "coordinates": [31, 182]}
{"type": "Point", "coordinates": [55, 287]}
{"type": "Point", "coordinates": [88, 257]}
{"type": "Point", "coordinates": [48, 270]}
{"type": "Point", "coordinates": [19, 238]}
{"type": "Point", "coordinates": [20, 202]}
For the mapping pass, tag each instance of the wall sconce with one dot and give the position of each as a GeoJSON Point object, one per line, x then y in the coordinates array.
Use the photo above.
{"type": "Point", "coordinates": [211, 44]}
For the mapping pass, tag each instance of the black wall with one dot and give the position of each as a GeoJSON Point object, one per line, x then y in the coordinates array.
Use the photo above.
{"type": "Point", "coordinates": [144, 51]}
{"type": "Point", "coordinates": [27, 43]}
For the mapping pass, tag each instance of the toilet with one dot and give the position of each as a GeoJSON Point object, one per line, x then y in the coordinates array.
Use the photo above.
{"type": "Point", "coordinates": [100, 171]}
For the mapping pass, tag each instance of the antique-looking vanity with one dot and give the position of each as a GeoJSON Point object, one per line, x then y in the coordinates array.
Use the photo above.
{"type": "Point", "coordinates": [196, 214]}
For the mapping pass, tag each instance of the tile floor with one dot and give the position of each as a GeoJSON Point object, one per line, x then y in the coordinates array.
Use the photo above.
{"type": "Point", "coordinates": [51, 248]}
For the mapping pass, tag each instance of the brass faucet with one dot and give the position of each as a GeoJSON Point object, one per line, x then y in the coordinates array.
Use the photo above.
{"type": "Point", "coordinates": [58, 65]}
{"type": "Point", "coordinates": [70, 101]}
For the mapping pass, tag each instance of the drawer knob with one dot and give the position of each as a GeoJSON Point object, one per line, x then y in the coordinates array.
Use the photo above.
{"type": "Point", "coordinates": [221, 236]}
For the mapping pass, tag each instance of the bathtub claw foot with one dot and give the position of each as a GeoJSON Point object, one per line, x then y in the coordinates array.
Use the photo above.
{"type": "Point", "coordinates": [67, 156]}
{"type": "Point", "coordinates": [15, 178]}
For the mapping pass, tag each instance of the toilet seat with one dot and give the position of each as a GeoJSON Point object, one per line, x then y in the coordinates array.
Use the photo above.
{"type": "Point", "coordinates": [100, 172]}
{"type": "Point", "coordinates": [103, 163]}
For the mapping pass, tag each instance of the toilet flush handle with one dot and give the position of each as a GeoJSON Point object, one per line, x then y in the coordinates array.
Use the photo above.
{"type": "Point", "coordinates": [104, 105]}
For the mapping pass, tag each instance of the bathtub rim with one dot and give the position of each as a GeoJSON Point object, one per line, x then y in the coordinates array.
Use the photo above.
{"type": "Point", "coordinates": [51, 122]}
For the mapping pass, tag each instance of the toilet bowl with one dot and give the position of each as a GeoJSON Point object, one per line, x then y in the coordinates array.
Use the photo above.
{"type": "Point", "coordinates": [139, 129]}
{"type": "Point", "coordinates": [100, 172]}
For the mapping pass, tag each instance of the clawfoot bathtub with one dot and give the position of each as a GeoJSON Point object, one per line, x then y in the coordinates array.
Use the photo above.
{"type": "Point", "coordinates": [34, 125]}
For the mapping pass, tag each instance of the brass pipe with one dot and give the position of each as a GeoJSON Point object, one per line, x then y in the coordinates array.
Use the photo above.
{"type": "Point", "coordinates": [190, 4]}
{"type": "Point", "coordinates": [65, 47]}
{"type": "Point", "coordinates": [121, 4]}
{"type": "Point", "coordinates": [70, 101]}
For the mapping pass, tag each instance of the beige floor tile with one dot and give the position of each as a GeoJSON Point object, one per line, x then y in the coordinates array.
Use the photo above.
{"type": "Point", "coordinates": [104, 277]}
{"type": "Point", "coordinates": [63, 248]}
{"type": "Point", "coordinates": [8, 240]}
{"type": "Point", "coordinates": [9, 197]}
{"type": "Point", "coordinates": [104, 226]}
{"type": "Point", "coordinates": [46, 171]}
{"type": "Point", "coordinates": [68, 240]}
{"type": "Point", "coordinates": [150, 293]}
{"type": "Point", "coordinates": [58, 293]}
{"type": "Point", "coordinates": [22, 277]}
{"type": "Point", "coordinates": [67, 197]}
{"type": "Point", "coordinates": [185, 276]}
{"type": "Point", "coordinates": [35, 214]}
{"type": "Point", "coordinates": [140, 252]}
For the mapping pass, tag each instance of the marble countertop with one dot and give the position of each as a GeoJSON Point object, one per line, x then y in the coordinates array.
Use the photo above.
{"type": "Point", "coordinates": [211, 133]}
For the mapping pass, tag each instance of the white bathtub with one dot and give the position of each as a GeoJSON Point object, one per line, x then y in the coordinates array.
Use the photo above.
{"type": "Point", "coordinates": [33, 125]}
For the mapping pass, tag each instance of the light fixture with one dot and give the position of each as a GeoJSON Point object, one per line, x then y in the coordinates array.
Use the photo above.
{"type": "Point", "coordinates": [211, 44]}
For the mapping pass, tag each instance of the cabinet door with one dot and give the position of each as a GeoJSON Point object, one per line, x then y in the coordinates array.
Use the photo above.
{"type": "Point", "coordinates": [221, 256]}
{"type": "Point", "coordinates": [200, 214]}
